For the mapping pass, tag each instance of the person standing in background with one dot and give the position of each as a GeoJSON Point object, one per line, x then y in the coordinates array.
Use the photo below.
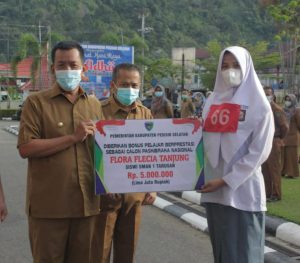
{"type": "Point", "coordinates": [272, 167]}
{"type": "Point", "coordinates": [187, 107]}
{"type": "Point", "coordinates": [290, 167]}
{"type": "Point", "coordinates": [161, 107]}
{"type": "Point", "coordinates": [199, 102]}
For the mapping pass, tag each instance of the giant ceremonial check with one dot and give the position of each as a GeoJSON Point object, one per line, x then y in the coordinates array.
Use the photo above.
{"type": "Point", "coordinates": [148, 155]}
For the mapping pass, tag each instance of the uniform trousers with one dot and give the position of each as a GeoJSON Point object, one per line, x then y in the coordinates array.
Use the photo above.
{"type": "Point", "coordinates": [118, 225]}
{"type": "Point", "coordinates": [271, 170]}
{"type": "Point", "coordinates": [290, 161]}
{"type": "Point", "coordinates": [70, 240]}
{"type": "Point", "coordinates": [237, 236]}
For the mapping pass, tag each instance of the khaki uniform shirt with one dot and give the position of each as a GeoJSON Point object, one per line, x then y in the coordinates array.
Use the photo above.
{"type": "Point", "coordinates": [187, 109]}
{"type": "Point", "coordinates": [113, 110]}
{"type": "Point", "coordinates": [165, 112]}
{"type": "Point", "coordinates": [281, 124]}
{"type": "Point", "coordinates": [60, 185]}
{"type": "Point", "coordinates": [292, 138]}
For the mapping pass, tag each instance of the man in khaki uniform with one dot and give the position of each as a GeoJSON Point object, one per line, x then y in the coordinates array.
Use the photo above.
{"type": "Point", "coordinates": [120, 215]}
{"type": "Point", "coordinates": [55, 135]}
{"type": "Point", "coordinates": [290, 167]}
{"type": "Point", "coordinates": [271, 168]}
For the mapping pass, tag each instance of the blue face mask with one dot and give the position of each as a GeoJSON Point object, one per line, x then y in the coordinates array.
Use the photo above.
{"type": "Point", "coordinates": [68, 80]}
{"type": "Point", "coordinates": [127, 96]}
{"type": "Point", "coordinates": [158, 93]}
{"type": "Point", "coordinates": [184, 97]}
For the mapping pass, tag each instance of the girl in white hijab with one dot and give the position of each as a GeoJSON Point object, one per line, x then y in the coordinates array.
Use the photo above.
{"type": "Point", "coordinates": [238, 134]}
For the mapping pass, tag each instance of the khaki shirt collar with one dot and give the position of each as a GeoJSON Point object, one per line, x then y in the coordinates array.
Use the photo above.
{"type": "Point", "coordinates": [56, 91]}
{"type": "Point", "coordinates": [116, 106]}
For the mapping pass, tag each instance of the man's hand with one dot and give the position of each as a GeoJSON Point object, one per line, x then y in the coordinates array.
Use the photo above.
{"type": "Point", "coordinates": [212, 185]}
{"type": "Point", "coordinates": [84, 129]}
{"type": "Point", "coordinates": [149, 199]}
{"type": "Point", "coordinates": [113, 196]}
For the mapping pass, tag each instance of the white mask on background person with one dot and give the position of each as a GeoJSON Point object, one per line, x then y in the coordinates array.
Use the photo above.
{"type": "Point", "coordinates": [270, 98]}
{"type": "Point", "coordinates": [232, 77]}
{"type": "Point", "coordinates": [287, 103]}
{"type": "Point", "coordinates": [158, 93]}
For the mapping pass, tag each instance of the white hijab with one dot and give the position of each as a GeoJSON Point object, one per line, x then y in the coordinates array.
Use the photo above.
{"type": "Point", "coordinates": [249, 95]}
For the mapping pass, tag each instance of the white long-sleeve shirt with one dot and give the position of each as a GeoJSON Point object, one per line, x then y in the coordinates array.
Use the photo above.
{"type": "Point", "coordinates": [244, 189]}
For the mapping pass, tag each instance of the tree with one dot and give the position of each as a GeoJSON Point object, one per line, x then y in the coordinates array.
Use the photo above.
{"type": "Point", "coordinates": [54, 38]}
{"type": "Point", "coordinates": [262, 59]}
{"type": "Point", "coordinates": [160, 68]}
{"type": "Point", "coordinates": [139, 45]}
{"type": "Point", "coordinates": [28, 46]}
{"type": "Point", "coordinates": [208, 67]}
{"type": "Point", "coordinates": [111, 38]}
{"type": "Point", "coordinates": [286, 16]}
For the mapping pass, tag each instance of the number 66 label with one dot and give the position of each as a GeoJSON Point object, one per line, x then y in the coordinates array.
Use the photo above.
{"type": "Point", "coordinates": [222, 118]}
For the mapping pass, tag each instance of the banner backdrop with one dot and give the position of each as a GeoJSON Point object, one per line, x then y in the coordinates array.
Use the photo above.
{"type": "Point", "coordinates": [100, 61]}
{"type": "Point", "coordinates": [148, 155]}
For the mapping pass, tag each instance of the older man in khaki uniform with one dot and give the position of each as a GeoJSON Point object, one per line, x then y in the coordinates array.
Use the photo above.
{"type": "Point", "coordinates": [55, 135]}
{"type": "Point", "coordinates": [120, 215]}
{"type": "Point", "coordinates": [271, 168]}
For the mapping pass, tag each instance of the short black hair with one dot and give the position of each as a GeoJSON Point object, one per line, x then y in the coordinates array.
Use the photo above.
{"type": "Point", "coordinates": [124, 66]}
{"type": "Point", "coordinates": [67, 45]}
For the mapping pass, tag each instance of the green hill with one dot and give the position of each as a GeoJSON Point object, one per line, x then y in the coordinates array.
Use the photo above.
{"type": "Point", "coordinates": [174, 23]}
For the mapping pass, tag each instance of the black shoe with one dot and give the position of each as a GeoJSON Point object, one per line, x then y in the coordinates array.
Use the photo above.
{"type": "Point", "coordinates": [273, 199]}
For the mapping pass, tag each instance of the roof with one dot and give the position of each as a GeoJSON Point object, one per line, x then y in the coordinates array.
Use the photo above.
{"type": "Point", "coordinates": [23, 69]}
{"type": "Point", "coordinates": [42, 77]}
{"type": "Point", "coordinates": [201, 53]}
{"type": "Point", "coordinates": [5, 67]}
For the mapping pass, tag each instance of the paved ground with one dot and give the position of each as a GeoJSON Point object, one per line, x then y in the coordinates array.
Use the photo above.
{"type": "Point", "coordinates": [163, 238]}
{"type": "Point", "coordinates": [157, 231]}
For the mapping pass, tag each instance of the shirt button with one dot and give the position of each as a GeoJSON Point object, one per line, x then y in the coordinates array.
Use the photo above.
{"type": "Point", "coordinates": [60, 124]}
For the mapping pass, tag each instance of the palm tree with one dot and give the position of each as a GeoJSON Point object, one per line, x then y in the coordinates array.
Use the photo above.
{"type": "Point", "coordinates": [28, 46]}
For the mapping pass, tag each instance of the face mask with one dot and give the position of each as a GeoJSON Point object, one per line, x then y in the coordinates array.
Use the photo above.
{"type": "Point", "coordinates": [127, 96]}
{"type": "Point", "coordinates": [232, 77]}
{"type": "Point", "coordinates": [68, 80]}
{"type": "Point", "coordinates": [270, 98]}
{"type": "Point", "coordinates": [185, 97]}
{"type": "Point", "coordinates": [288, 103]}
{"type": "Point", "coordinates": [158, 93]}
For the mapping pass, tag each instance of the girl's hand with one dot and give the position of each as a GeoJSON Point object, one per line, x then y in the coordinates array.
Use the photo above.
{"type": "Point", "coordinates": [212, 185]}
